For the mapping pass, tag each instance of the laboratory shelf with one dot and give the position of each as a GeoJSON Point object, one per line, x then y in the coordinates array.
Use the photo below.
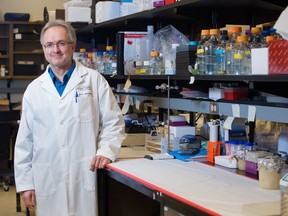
{"type": "Point", "coordinates": [264, 111]}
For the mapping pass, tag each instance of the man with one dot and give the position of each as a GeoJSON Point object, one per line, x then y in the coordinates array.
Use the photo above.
{"type": "Point", "coordinates": [71, 125]}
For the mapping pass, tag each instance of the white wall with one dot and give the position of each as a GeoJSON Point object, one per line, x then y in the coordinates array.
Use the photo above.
{"type": "Point", "coordinates": [34, 7]}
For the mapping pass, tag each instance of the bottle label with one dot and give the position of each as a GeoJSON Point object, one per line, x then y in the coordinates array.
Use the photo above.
{"type": "Point", "coordinates": [238, 56]}
{"type": "Point", "coordinates": [200, 51]}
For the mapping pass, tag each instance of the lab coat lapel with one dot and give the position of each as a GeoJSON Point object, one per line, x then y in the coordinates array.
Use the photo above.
{"type": "Point", "coordinates": [47, 84]}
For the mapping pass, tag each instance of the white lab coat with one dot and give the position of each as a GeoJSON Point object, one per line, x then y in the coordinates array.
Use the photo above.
{"type": "Point", "coordinates": [58, 136]}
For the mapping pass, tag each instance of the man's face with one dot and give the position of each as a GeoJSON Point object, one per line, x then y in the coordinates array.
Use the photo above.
{"type": "Point", "coordinates": [58, 49]}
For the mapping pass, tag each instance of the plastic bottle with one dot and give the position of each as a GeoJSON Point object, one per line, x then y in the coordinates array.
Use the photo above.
{"type": "Point", "coordinates": [209, 53]}
{"type": "Point", "coordinates": [146, 44]}
{"type": "Point", "coordinates": [200, 61]}
{"type": "Point", "coordinates": [242, 57]}
{"type": "Point", "coordinates": [221, 53]}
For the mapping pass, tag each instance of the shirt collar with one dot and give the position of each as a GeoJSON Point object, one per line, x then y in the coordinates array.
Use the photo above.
{"type": "Point", "coordinates": [66, 76]}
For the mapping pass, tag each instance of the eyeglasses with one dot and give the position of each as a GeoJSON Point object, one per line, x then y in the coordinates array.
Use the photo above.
{"type": "Point", "coordinates": [59, 44]}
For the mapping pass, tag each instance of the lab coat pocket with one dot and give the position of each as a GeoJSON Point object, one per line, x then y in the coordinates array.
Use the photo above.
{"type": "Point", "coordinates": [88, 176]}
{"type": "Point", "coordinates": [43, 179]}
{"type": "Point", "coordinates": [85, 107]}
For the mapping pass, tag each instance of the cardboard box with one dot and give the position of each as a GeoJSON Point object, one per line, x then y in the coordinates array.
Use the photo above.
{"type": "Point", "coordinates": [4, 105]}
{"type": "Point", "coordinates": [278, 57]}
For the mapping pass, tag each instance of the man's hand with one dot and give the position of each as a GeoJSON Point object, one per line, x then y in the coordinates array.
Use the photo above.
{"type": "Point", "coordinates": [29, 198]}
{"type": "Point", "coordinates": [99, 162]}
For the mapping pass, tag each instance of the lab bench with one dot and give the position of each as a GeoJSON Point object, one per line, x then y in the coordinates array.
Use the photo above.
{"type": "Point", "coordinates": [142, 187]}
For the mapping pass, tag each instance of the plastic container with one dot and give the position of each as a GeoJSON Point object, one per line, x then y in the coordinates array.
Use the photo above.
{"type": "Point", "coordinates": [235, 93]}
{"type": "Point", "coordinates": [270, 172]}
{"type": "Point", "coordinates": [283, 142]}
{"type": "Point", "coordinates": [251, 160]}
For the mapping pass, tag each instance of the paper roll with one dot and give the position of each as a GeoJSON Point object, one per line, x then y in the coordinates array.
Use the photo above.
{"type": "Point", "coordinates": [213, 132]}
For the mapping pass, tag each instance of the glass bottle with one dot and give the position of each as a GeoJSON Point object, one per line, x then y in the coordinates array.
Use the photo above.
{"type": "Point", "coordinates": [242, 56]}
{"type": "Point", "coordinates": [256, 39]}
{"type": "Point", "coordinates": [221, 53]}
{"type": "Point", "coordinates": [82, 56]}
{"type": "Point", "coordinates": [154, 63]}
{"type": "Point", "coordinates": [234, 32]}
{"type": "Point", "coordinates": [200, 61]}
{"type": "Point", "coordinates": [99, 63]}
{"type": "Point", "coordinates": [90, 62]}
{"type": "Point", "coordinates": [209, 51]}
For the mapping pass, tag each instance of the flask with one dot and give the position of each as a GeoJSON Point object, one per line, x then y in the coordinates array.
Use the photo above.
{"type": "Point", "coordinates": [200, 61]}
{"type": "Point", "coordinates": [221, 53]}
{"type": "Point", "coordinates": [209, 51]}
{"type": "Point", "coordinates": [241, 57]}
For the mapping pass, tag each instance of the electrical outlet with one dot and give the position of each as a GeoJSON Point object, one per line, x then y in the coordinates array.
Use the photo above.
{"type": "Point", "coordinates": [213, 107]}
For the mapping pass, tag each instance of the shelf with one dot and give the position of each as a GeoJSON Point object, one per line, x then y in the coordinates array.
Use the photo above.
{"type": "Point", "coordinates": [269, 113]}
{"type": "Point", "coordinates": [191, 10]}
{"type": "Point", "coordinates": [232, 78]}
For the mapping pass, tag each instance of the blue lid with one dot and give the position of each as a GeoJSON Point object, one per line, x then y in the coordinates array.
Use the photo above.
{"type": "Point", "coordinates": [111, 52]}
{"type": "Point", "coordinates": [193, 43]}
{"type": "Point", "coordinates": [99, 53]}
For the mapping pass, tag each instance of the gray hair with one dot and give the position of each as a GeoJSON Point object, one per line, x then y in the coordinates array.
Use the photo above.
{"type": "Point", "coordinates": [70, 30]}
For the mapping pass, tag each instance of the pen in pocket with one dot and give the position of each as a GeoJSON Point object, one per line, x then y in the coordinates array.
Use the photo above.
{"type": "Point", "coordinates": [76, 96]}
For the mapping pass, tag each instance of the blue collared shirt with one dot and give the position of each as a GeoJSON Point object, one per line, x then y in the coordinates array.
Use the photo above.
{"type": "Point", "coordinates": [60, 86]}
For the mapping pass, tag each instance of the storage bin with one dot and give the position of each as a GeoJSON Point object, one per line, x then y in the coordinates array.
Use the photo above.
{"type": "Point", "coordinates": [235, 93]}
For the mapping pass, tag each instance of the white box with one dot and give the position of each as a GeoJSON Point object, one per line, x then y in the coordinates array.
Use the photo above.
{"type": "Point", "coordinates": [78, 14]}
{"type": "Point", "coordinates": [216, 93]}
{"type": "Point", "coordinates": [179, 131]}
{"type": "Point", "coordinates": [259, 61]}
{"type": "Point", "coordinates": [106, 10]}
